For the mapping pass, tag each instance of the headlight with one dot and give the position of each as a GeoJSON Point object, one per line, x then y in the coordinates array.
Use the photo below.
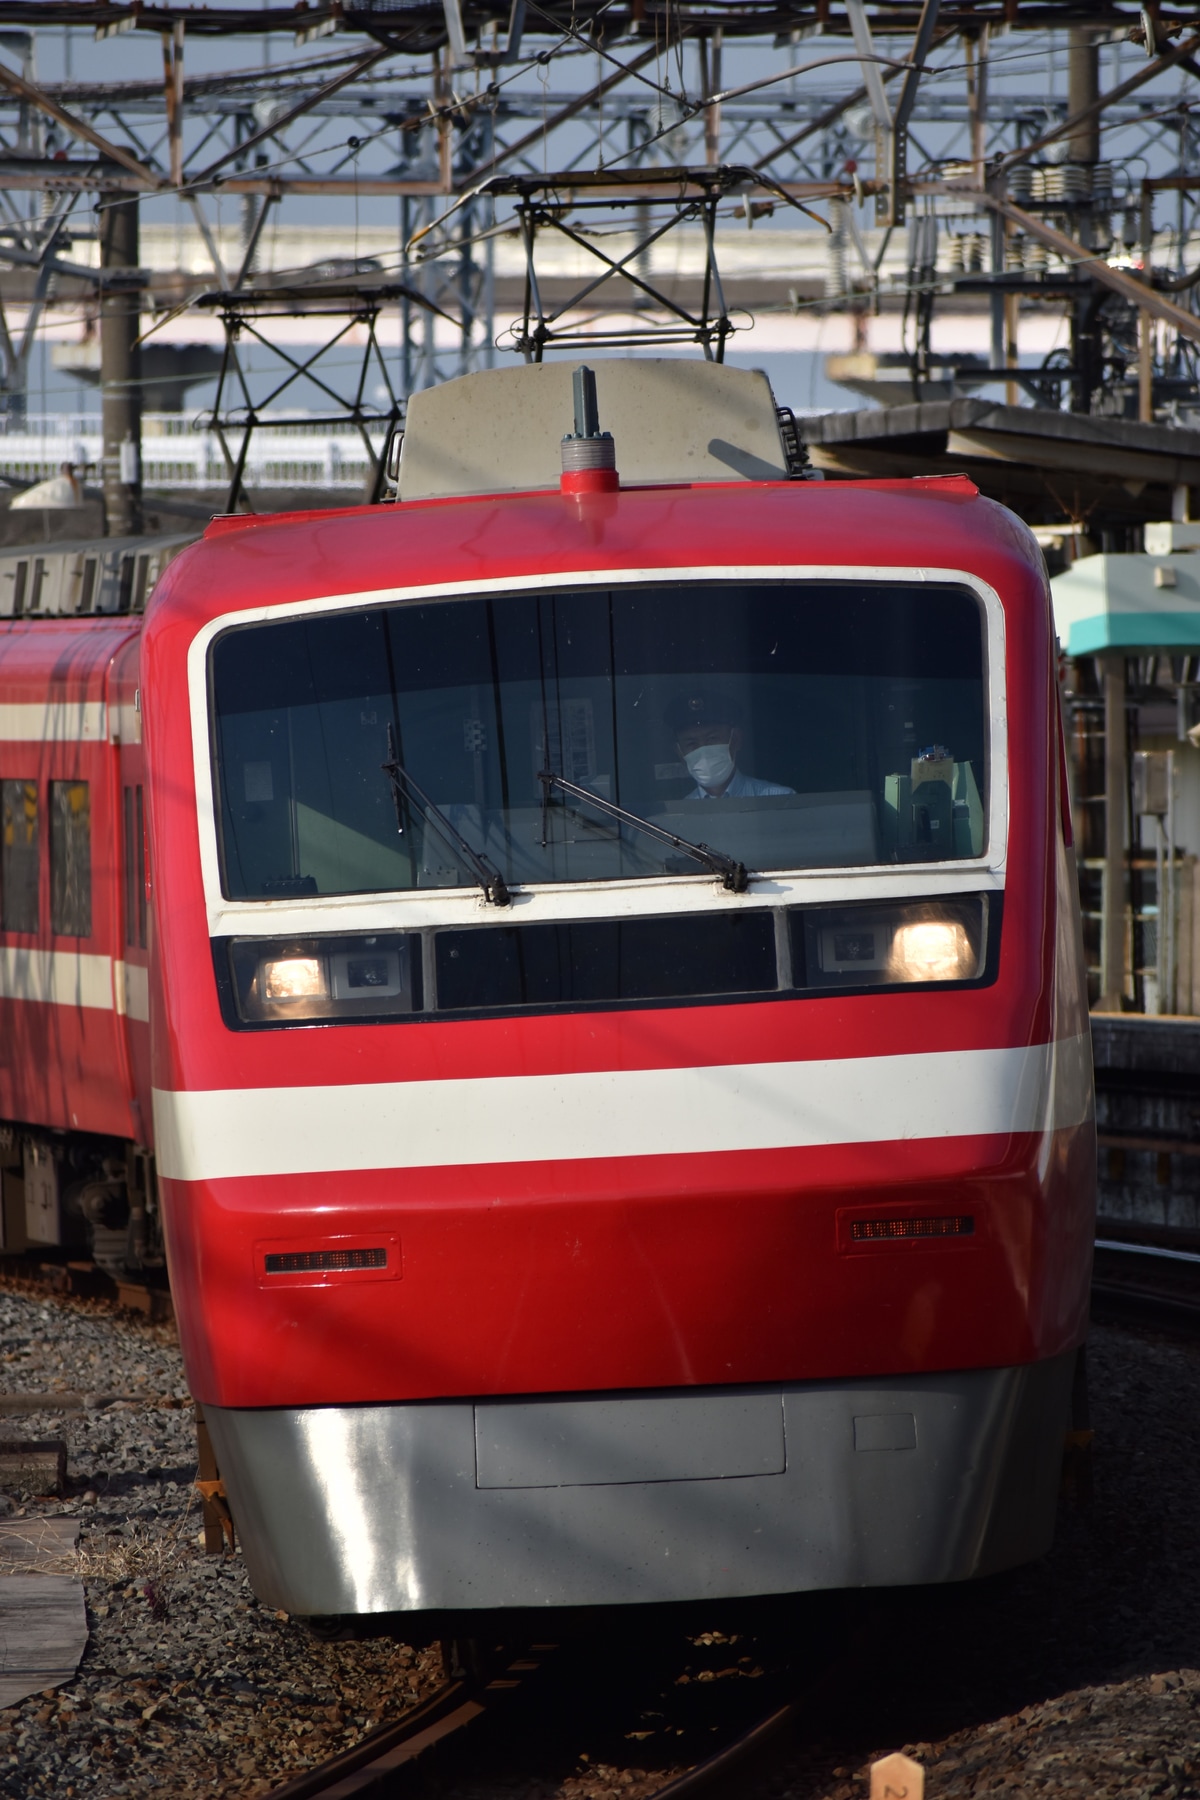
{"type": "Point", "coordinates": [274, 982]}
{"type": "Point", "coordinates": [932, 950]}
{"type": "Point", "coordinates": [291, 978]}
{"type": "Point", "coordinates": [895, 943]}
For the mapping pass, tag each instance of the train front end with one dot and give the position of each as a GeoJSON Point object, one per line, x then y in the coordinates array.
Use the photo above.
{"type": "Point", "coordinates": [623, 1091]}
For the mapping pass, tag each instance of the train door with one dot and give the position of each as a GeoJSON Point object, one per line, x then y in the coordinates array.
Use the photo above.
{"type": "Point", "coordinates": [132, 954]}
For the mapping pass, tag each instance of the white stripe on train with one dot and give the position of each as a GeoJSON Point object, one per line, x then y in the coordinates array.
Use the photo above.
{"type": "Point", "coordinates": [213, 1134]}
{"type": "Point", "coordinates": [54, 722]}
{"type": "Point", "coordinates": [73, 978]}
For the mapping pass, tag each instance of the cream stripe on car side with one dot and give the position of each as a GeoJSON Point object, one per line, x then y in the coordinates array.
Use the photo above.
{"type": "Point", "coordinates": [73, 978]}
{"type": "Point", "coordinates": [54, 722]}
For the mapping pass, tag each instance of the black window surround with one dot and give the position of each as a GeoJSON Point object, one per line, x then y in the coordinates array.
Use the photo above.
{"type": "Point", "coordinates": [753, 953]}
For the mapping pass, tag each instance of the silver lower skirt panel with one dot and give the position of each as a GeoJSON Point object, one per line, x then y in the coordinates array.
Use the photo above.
{"type": "Point", "coordinates": [690, 1494]}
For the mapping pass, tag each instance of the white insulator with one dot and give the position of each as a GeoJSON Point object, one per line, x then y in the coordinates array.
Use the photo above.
{"type": "Point", "coordinates": [1020, 181]}
{"type": "Point", "coordinates": [1102, 181]}
{"type": "Point", "coordinates": [1037, 184]}
{"type": "Point", "coordinates": [1036, 257]}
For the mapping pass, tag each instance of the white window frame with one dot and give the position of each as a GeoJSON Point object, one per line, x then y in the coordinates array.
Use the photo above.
{"type": "Point", "coordinates": [623, 897]}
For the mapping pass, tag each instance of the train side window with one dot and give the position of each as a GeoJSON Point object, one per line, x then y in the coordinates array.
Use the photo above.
{"type": "Point", "coordinates": [135, 869]}
{"type": "Point", "coordinates": [19, 581]}
{"type": "Point", "coordinates": [70, 859]}
{"type": "Point", "coordinates": [39, 581]}
{"type": "Point", "coordinates": [18, 856]}
{"type": "Point", "coordinates": [87, 593]}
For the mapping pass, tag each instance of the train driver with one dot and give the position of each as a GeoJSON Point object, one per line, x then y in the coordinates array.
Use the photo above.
{"type": "Point", "coordinates": [709, 737]}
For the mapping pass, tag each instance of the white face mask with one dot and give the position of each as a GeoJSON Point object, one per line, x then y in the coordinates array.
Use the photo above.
{"type": "Point", "coordinates": [710, 766]}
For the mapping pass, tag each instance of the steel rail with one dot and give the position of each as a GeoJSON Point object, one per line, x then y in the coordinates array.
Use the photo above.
{"type": "Point", "coordinates": [394, 1759]}
{"type": "Point", "coordinates": [384, 1753]}
{"type": "Point", "coordinates": [389, 1756]}
{"type": "Point", "coordinates": [1132, 1303]}
{"type": "Point", "coordinates": [724, 1772]}
{"type": "Point", "coordinates": [723, 1775]}
{"type": "Point", "coordinates": [357, 1770]}
{"type": "Point", "coordinates": [1184, 1256]}
{"type": "Point", "coordinates": [1132, 1295]}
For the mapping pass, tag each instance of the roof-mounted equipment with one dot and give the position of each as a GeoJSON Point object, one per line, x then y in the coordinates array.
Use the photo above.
{"type": "Point", "coordinates": [589, 455]}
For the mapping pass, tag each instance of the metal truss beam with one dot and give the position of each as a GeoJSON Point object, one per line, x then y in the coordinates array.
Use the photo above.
{"type": "Point", "coordinates": [293, 113]}
{"type": "Point", "coordinates": [42, 175]}
{"type": "Point", "coordinates": [756, 18]}
{"type": "Point", "coordinates": [35, 96]}
{"type": "Point", "coordinates": [838, 110]}
{"type": "Point", "coordinates": [564, 114]}
{"type": "Point", "coordinates": [1138, 293]}
{"type": "Point", "coordinates": [1067, 128]}
{"type": "Point", "coordinates": [456, 137]}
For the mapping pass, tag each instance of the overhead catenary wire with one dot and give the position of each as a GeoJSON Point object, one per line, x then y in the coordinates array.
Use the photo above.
{"type": "Point", "coordinates": [317, 150]}
{"type": "Point", "coordinates": [209, 179]}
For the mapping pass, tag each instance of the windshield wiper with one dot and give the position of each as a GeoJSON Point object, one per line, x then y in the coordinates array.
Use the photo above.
{"type": "Point", "coordinates": [733, 874]}
{"type": "Point", "coordinates": [495, 888]}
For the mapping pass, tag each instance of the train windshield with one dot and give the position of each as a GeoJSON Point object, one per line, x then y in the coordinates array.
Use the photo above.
{"type": "Point", "coordinates": [789, 726]}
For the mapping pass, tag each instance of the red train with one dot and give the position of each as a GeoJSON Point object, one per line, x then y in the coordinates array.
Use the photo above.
{"type": "Point", "coordinates": [606, 981]}
{"type": "Point", "coordinates": [75, 1066]}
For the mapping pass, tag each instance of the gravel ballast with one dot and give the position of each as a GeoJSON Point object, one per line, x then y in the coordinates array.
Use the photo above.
{"type": "Point", "coordinates": [1079, 1676]}
{"type": "Point", "coordinates": [184, 1672]}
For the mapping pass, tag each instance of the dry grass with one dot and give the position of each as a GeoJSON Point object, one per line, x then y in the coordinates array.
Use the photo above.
{"type": "Point", "coordinates": [150, 1562]}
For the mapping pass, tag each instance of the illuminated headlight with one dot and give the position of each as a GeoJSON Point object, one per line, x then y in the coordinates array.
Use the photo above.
{"type": "Point", "coordinates": [293, 978]}
{"type": "Point", "coordinates": [932, 950]}
{"type": "Point", "coordinates": [895, 943]}
{"type": "Point", "coordinates": [305, 980]}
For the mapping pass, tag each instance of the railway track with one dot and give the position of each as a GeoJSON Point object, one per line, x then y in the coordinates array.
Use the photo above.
{"type": "Point", "coordinates": [1154, 1283]}
{"type": "Point", "coordinates": [514, 1705]}
{"type": "Point", "coordinates": [386, 1759]}
{"type": "Point", "coordinates": [394, 1759]}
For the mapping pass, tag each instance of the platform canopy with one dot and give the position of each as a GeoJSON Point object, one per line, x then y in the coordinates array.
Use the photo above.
{"type": "Point", "coordinates": [1045, 465]}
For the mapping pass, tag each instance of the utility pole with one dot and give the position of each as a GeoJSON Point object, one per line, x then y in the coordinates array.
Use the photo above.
{"type": "Point", "coordinates": [1113, 959]}
{"type": "Point", "coordinates": [1083, 149]}
{"type": "Point", "coordinates": [1083, 90]}
{"type": "Point", "coordinates": [120, 365]}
